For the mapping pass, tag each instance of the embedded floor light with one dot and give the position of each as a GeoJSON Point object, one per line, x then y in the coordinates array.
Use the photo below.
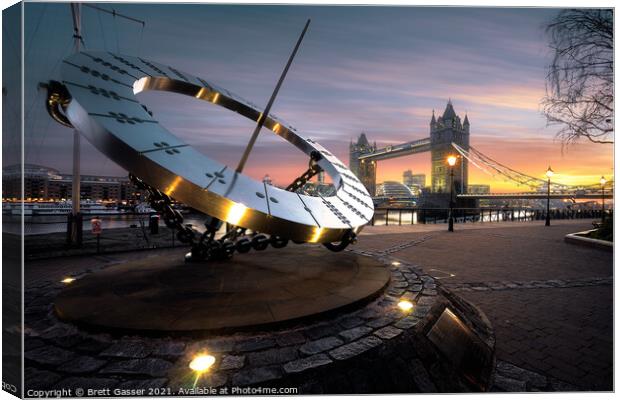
{"type": "Point", "coordinates": [405, 305]}
{"type": "Point", "coordinates": [68, 280]}
{"type": "Point", "coordinates": [202, 362]}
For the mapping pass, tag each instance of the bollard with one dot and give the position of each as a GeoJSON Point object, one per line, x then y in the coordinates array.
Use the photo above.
{"type": "Point", "coordinates": [154, 224]}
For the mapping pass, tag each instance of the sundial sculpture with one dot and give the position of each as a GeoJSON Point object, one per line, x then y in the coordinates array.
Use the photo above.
{"type": "Point", "coordinates": [97, 96]}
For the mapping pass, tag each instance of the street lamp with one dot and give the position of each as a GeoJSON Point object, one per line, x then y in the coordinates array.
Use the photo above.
{"type": "Point", "coordinates": [451, 162]}
{"type": "Point", "coordinates": [549, 174]}
{"type": "Point", "coordinates": [603, 182]}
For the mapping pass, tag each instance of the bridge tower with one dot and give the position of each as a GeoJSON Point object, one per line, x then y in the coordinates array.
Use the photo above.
{"type": "Point", "coordinates": [445, 130]}
{"type": "Point", "coordinates": [366, 171]}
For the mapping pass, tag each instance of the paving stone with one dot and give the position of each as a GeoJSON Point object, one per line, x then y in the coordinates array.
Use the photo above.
{"type": "Point", "coordinates": [350, 322]}
{"type": "Point", "coordinates": [388, 332]}
{"type": "Point", "coordinates": [355, 348]}
{"type": "Point", "coordinates": [76, 382]}
{"type": "Point", "coordinates": [154, 367]}
{"type": "Point", "coordinates": [407, 322]}
{"type": "Point", "coordinates": [128, 349]}
{"type": "Point", "coordinates": [560, 386]}
{"type": "Point", "coordinates": [321, 331]}
{"type": "Point", "coordinates": [168, 349]}
{"type": "Point", "coordinates": [92, 345]}
{"type": "Point", "coordinates": [272, 356]}
{"type": "Point", "coordinates": [427, 279]}
{"type": "Point", "coordinates": [318, 346]}
{"type": "Point", "coordinates": [82, 365]}
{"type": "Point", "coordinates": [400, 285]}
{"type": "Point", "coordinates": [504, 384]}
{"type": "Point", "coordinates": [68, 341]}
{"type": "Point", "coordinates": [421, 377]}
{"type": "Point", "coordinates": [512, 371]}
{"type": "Point", "coordinates": [370, 313]}
{"type": "Point", "coordinates": [59, 330]}
{"type": "Point", "coordinates": [212, 380]}
{"type": "Point", "coordinates": [415, 288]}
{"type": "Point", "coordinates": [49, 355]}
{"type": "Point", "coordinates": [32, 343]}
{"type": "Point", "coordinates": [421, 311]}
{"type": "Point", "coordinates": [290, 338]}
{"type": "Point", "coordinates": [231, 362]}
{"type": "Point", "coordinates": [303, 364]}
{"type": "Point", "coordinates": [254, 344]}
{"type": "Point", "coordinates": [218, 345]}
{"type": "Point", "coordinates": [253, 376]}
{"type": "Point", "coordinates": [38, 379]}
{"type": "Point", "coordinates": [144, 384]}
{"type": "Point", "coordinates": [33, 312]}
{"type": "Point", "coordinates": [380, 322]}
{"type": "Point", "coordinates": [410, 276]}
{"type": "Point", "coordinates": [355, 333]}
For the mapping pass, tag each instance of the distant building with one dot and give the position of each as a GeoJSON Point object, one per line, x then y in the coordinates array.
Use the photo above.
{"type": "Point", "coordinates": [317, 189]}
{"type": "Point", "coordinates": [47, 184]}
{"type": "Point", "coordinates": [393, 189]}
{"type": "Point", "coordinates": [410, 179]}
{"type": "Point", "coordinates": [391, 193]}
{"type": "Point", "coordinates": [479, 189]}
{"type": "Point", "coordinates": [366, 171]}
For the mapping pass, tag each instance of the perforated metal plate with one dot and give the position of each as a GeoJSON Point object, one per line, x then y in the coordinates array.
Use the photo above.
{"type": "Point", "coordinates": [105, 110]}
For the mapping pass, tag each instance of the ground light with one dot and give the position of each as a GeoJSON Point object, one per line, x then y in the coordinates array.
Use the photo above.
{"type": "Point", "coordinates": [68, 280]}
{"type": "Point", "coordinates": [395, 263]}
{"type": "Point", "coordinates": [201, 364]}
{"type": "Point", "coordinates": [405, 305]}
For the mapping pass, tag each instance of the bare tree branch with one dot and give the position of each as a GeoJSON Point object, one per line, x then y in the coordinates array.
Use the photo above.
{"type": "Point", "coordinates": [579, 91]}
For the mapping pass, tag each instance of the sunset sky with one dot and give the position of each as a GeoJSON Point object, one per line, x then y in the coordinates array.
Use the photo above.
{"type": "Point", "coordinates": [379, 70]}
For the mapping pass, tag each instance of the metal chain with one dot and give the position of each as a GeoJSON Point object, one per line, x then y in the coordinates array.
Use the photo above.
{"type": "Point", "coordinates": [206, 247]}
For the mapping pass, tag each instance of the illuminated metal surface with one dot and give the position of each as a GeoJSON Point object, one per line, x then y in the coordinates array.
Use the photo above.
{"type": "Point", "coordinates": [105, 110]}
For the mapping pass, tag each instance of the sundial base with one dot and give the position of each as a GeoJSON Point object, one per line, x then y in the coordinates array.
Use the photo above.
{"type": "Point", "coordinates": [165, 294]}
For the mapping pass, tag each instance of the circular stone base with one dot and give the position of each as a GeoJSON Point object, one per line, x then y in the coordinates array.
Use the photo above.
{"type": "Point", "coordinates": [166, 294]}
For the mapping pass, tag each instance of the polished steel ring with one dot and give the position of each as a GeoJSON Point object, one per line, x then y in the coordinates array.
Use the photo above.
{"type": "Point", "coordinates": [105, 110]}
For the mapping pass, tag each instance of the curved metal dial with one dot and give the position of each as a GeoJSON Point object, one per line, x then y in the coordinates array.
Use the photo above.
{"type": "Point", "coordinates": [105, 110]}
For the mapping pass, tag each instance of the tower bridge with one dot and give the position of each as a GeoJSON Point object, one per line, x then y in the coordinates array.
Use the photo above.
{"type": "Point", "coordinates": [448, 135]}
{"type": "Point", "coordinates": [444, 131]}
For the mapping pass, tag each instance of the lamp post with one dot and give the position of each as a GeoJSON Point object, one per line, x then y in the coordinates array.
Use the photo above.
{"type": "Point", "coordinates": [549, 174]}
{"type": "Point", "coordinates": [451, 162]}
{"type": "Point", "coordinates": [603, 182]}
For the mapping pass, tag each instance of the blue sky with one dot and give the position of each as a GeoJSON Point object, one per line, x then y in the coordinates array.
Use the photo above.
{"type": "Point", "coordinates": [381, 70]}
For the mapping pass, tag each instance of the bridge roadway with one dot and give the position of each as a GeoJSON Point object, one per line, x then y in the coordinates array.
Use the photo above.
{"type": "Point", "coordinates": [536, 196]}
{"type": "Point", "coordinates": [385, 153]}
{"type": "Point", "coordinates": [509, 196]}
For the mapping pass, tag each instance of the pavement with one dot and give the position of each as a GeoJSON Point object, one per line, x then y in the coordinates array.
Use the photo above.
{"type": "Point", "coordinates": [550, 302]}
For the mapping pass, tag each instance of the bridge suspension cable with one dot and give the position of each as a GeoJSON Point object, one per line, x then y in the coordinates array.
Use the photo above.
{"type": "Point", "coordinates": [499, 170]}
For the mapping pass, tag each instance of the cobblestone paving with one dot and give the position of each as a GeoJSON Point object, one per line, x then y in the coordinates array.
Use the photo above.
{"type": "Point", "coordinates": [61, 355]}
{"type": "Point", "coordinates": [550, 302]}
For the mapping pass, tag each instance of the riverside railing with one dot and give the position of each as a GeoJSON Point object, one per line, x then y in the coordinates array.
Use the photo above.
{"type": "Point", "coordinates": [412, 216]}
